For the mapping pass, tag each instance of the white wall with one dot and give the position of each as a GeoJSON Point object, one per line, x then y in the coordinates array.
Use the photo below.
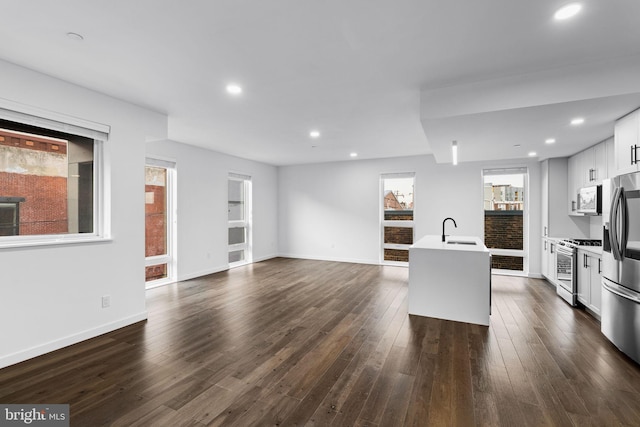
{"type": "Point", "coordinates": [202, 206]}
{"type": "Point", "coordinates": [331, 210]}
{"type": "Point", "coordinates": [50, 296]}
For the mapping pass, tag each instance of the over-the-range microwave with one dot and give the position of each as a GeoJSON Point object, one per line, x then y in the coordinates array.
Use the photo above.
{"type": "Point", "coordinates": [590, 200]}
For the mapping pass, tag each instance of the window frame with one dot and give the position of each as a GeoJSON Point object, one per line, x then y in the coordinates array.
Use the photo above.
{"type": "Point", "coordinates": [99, 133]}
{"type": "Point", "coordinates": [395, 223]}
{"type": "Point", "coordinates": [523, 253]}
{"type": "Point", "coordinates": [246, 223]}
{"type": "Point", "coordinates": [170, 258]}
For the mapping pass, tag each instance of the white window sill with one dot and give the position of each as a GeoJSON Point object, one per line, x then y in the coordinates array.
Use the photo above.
{"type": "Point", "coordinates": [52, 241]}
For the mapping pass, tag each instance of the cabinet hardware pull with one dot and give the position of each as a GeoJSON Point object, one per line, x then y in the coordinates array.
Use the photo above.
{"type": "Point", "coordinates": [584, 260]}
{"type": "Point", "coordinates": [573, 206]}
{"type": "Point", "coordinates": [599, 265]}
{"type": "Point", "coordinates": [634, 154]}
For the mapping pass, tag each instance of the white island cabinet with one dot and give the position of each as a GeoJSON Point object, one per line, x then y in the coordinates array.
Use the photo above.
{"type": "Point", "coordinates": [450, 280]}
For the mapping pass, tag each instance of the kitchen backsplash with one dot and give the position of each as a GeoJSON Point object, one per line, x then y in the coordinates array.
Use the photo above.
{"type": "Point", "coordinates": [595, 227]}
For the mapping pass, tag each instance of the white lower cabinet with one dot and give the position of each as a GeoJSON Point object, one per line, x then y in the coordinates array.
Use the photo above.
{"type": "Point", "coordinates": [590, 280]}
{"type": "Point", "coordinates": [545, 257]}
{"type": "Point", "coordinates": [549, 260]}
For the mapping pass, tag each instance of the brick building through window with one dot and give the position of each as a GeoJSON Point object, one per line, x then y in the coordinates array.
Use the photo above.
{"type": "Point", "coordinates": [51, 175]}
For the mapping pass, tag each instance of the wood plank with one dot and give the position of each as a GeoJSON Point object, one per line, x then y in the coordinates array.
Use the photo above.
{"type": "Point", "coordinates": [318, 343]}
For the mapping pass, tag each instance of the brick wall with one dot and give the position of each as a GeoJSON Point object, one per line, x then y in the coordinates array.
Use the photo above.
{"type": "Point", "coordinates": [398, 215]}
{"type": "Point", "coordinates": [44, 210]}
{"type": "Point", "coordinates": [155, 221]}
{"type": "Point", "coordinates": [398, 235]}
{"type": "Point", "coordinates": [155, 272]}
{"type": "Point", "coordinates": [396, 255]}
{"type": "Point", "coordinates": [503, 229]}
{"type": "Point", "coordinates": [507, 262]}
{"type": "Point", "coordinates": [11, 139]}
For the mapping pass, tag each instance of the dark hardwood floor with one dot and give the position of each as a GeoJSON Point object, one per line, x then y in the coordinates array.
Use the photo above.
{"type": "Point", "coordinates": [294, 342]}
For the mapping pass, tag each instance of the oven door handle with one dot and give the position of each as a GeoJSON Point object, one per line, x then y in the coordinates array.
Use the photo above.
{"type": "Point", "coordinates": [564, 251]}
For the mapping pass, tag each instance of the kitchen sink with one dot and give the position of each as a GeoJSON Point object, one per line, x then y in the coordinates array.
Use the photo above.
{"type": "Point", "coordinates": [460, 242]}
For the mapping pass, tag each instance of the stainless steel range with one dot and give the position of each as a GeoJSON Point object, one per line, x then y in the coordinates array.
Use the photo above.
{"type": "Point", "coordinates": [566, 271]}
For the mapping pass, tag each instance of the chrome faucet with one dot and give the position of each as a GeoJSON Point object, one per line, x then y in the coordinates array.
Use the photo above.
{"type": "Point", "coordinates": [443, 222]}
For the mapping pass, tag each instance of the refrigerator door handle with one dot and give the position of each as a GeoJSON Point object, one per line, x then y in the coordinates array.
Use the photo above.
{"type": "Point", "coordinates": [625, 223]}
{"type": "Point", "coordinates": [621, 291]}
{"type": "Point", "coordinates": [613, 225]}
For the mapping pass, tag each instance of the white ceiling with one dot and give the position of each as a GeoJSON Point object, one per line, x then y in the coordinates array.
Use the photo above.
{"type": "Point", "coordinates": [381, 78]}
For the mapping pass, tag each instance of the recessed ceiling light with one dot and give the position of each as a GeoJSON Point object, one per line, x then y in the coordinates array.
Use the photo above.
{"type": "Point", "coordinates": [532, 154]}
{"type": "Point", "coordinates": [234, 89]}
{"type": "Point", "coordinates": [354, 154]}
{"type": "Point", "coordinates": [577, 121]}
{"type": "Point", "coordinates": [567, 11]}
{"type": "Point", "coordinates": [549, 141]}
{"type": "Point", "coordinates": [75, 36]}
{"type": "Point", "coordinates": [314, 134]}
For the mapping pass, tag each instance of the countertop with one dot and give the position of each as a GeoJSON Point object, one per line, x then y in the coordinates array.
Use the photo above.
{"type": "Point", "coordinates": [436, 243]}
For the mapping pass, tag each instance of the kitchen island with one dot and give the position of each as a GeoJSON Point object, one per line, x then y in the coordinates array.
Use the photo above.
{"type": "Point", "coordinates": [450, 280]}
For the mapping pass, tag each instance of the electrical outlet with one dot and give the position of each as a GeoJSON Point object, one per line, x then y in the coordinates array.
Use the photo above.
{"type": "Point", "coordinates": [106, 301]}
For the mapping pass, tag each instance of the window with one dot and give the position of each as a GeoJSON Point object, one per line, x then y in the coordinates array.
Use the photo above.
{"type": "Point", "coordinates": [239, 208]}
{"type": "Point", "coordinates": [505, 218]}
{"type": "Point", "coordinates": [50, 181]}
{"type": "Point", "coordinates": [397, 217]}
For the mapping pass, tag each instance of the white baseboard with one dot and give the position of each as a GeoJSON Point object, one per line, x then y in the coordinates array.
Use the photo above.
{"type": "Point", "coordinates": [201, 273]}
{"type": "Point", "coordinates": [334, 259]}
{"type": "Point", "coordinates": [216, 269]}
{"type": "Point", "coordinates": [264, 258]}
{"type": "Point", "coordinates": [39, 350]}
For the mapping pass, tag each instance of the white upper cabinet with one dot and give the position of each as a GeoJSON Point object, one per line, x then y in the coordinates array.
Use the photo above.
{"type": "Point", "coordinates": [611, 157]}
{"type": "Point", "coordinates": [589, 167]}
{"type": "Point", "coordinates": [627, 139]}
{"type": "Point", "coordinates": [599, 171]}
{"type": "Point", "coordinates": [574, 182]}
{"type": "Point", "coordinates": [544, 190]}
{"type": "Point", "coordinates": [553, 191]}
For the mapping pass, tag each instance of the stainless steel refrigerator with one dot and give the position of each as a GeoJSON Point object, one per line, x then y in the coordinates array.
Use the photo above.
{"type": "Point", "coordinates": [620, 315]}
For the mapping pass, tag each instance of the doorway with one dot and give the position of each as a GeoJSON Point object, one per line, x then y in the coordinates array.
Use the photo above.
{"type": "Point", "coordinates": [239, 208]}
{"type": "Point", "coordinates": [506, 219]}
{"type": "Point", "coordinates": [160, 220]}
